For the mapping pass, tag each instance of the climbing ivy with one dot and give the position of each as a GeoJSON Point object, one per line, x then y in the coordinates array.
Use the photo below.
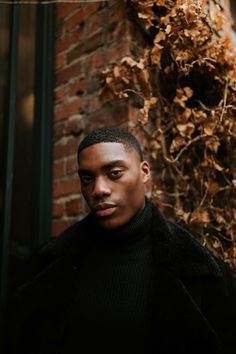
{"type": "Point", "coordinates": [184, 85]}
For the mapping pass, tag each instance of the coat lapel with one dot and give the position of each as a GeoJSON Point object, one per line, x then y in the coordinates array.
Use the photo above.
{"type": "Point", "coordinates": [177, 319]}
{"type": "Point", "coordinates": [176, 250]}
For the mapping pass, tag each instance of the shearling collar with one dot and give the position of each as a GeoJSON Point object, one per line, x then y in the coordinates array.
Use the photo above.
{"type": "Point", "coordinates": [178, 251]}
{"type": "Point", "coordinates": [174, 249]}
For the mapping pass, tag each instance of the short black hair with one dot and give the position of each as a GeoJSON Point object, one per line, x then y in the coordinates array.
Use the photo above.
{"type": "Point", "coordinates": [111, 135]}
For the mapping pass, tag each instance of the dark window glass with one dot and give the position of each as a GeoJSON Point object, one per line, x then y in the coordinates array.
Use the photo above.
{"type": "Point", "coordinates": [4, 54]}
{"type": "Point", "coordinates": [22, 198]}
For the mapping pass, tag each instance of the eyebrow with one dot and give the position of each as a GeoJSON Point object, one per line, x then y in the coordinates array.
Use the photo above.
{"type": "Point", "coordinates": [105, 167]}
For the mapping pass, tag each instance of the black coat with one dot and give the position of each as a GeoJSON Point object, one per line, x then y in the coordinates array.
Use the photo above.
{"type": "Point", "coordinates": [194, 297]}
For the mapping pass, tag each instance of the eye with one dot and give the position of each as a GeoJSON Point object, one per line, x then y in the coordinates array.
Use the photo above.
{"type": "Point", "coordinates": [116, 173]}
{"type": "Point", "coordinates": [86, 179]}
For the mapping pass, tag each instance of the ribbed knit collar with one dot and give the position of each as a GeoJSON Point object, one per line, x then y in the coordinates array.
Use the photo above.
{"type": "Point", "coordinates": [134, 230]}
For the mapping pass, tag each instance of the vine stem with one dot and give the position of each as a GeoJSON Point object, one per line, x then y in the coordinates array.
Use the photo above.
{"type": "Point", "coordinates": [224, 102]}
{"type": "Point", "coordinates": [197, 138]}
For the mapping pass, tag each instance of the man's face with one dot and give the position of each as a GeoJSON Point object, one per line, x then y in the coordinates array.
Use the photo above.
{"type": "Point", "coordinates": [113, 182]}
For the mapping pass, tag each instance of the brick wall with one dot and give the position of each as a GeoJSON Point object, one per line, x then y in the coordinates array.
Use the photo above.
{"type": "Point", "coordinates": [89, 36]}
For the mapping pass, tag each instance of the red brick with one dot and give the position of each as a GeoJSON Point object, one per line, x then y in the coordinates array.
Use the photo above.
{"type": "Point", "coordinates": [117, 11]}
{"type": "Point", "coordinates": [94, 22]}
{"type": "Point", "coordinates": [68, 109]}
{"type": "Point", "coordinates": [89, 9]}
{"type": "Point", "coordinates": [60, 62]}
{"type": "Point", "coordinates": [72, 146]}
{"type": "Point", "coordinates": [81, 14]}
{"type": "Point", "coordinates": [59, 113]}
{"type": "Point", "coordinates": [91, 44]}
{"type": "Point", "coordinates": [94, 84]}
{"type": "Point", "coordinates": [59, 151]}
{"type": "Point", "coordinates": [117, 52]}
{"type": "Point", "coordinates": [75, 126]}
{"type": "Point", "coordinates": [58, 210]}
{"type": "Point", "coordinates": [117, 31]}
{"type": "Point", "coordinates": [59, 131]}
{"type": "Point", "coordinates": [110, 115]}
{"type": "Point", "coordinates": [73, 21]}
{"type": "Point", "coordinates": [71, 165]}
{"type": "Point", "coordinates": [66, 187]}
{"type": "Point", "coordinates": [94, 104]}
{"type": "Point", "coordinates": [63, 43]}
{"type": "Point", "coordinates": [73, 207]}
{"type": "Point", "coordinates": [58, 226]}
{"type": "Point", "coordinates": [59, 30]}
{"type": "Point", "coordinates": [69, 127]}
{"type": "Point", "coordinates": [59, 96]}
{"type": "Point", "coordinates": [95, 61]}
{"type": "Point", "coordinates": [66, 74]}
{"type": "Point", "coordinates": [77, 88]}
{"type": "Point", "coordinates": [63, 150]}
{"type": "Point", "coordinates": [64, 9]}
{"type": "Point", "coordinates": [112, 3]}
{"type": "Point", "coordinates": [134, 114]}
{"type": "Point", "coordinates": [59, 169]}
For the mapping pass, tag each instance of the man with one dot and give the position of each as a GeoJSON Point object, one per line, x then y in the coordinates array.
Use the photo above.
{"type": "Point", "coordinates": [124, 279]}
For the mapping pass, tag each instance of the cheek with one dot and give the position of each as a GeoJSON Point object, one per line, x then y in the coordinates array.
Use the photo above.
{"type": "Point", "coordinates": [86, 194]}
{"type": "Point", "coordinates": [134, 187]}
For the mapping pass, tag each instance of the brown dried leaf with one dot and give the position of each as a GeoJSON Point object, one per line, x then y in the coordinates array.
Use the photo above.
{"type": "Point", "coordinates": [155, 145]}
{"type": "Point", "coordinates": [156, 54]}
{"type": "Point", "coordinates": [186, 129]}
{"type": "Point", "coordinates": [199, 115]}
{"type": "Point", "coordinates": [177, 143]}
{"type": "Point", "coordinates": [109, 80]}
{"type": "Point", "coordinates": [168, 29]}
{"type": "Point", "coordinates": [220, 219]}
{"type": "Point", "coordinates": [208, 130]}
{"type": "Point", "coordinates": [183, 215]}
{"type": "Point", "coordinates": [200, 217]}
{"type": "Point", "coordinates": [116, 71]}
{"type": "Point", "coordinates": [132, 63]}
{"type": "Point", "coordinates": [213, 143]}
{"type": "Point", "coordinates": [188, 91]}
{"type": "Point", "coordinates": [212, 187]}
{"type": "Point", "coordinates": [161, 36]}
{"type": "Point", "coordinates": [217, 166]}
{"type": "Point", "coordinates": [153, 101]}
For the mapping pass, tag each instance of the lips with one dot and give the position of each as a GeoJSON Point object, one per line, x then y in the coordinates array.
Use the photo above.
{"type": "Point", "coordinates": [105, 209]}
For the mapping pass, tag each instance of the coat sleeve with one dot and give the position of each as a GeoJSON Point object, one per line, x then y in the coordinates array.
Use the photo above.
{"type": "Point", "coordinates": [219, 305]}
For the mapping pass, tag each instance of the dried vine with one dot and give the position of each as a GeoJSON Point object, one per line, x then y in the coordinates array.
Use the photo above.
{"type": "Point", "coordinates": [184, 85]}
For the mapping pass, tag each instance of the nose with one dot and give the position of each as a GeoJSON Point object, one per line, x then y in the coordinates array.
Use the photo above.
{"type": "Point", "coordinates": [101, 188]}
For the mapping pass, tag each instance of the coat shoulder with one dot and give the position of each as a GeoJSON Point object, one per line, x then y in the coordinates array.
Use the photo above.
{"type": "Point", "coordinates": [177, 249]}
{"type": "Point", "coordinates": [63, 244]}
{"type": "Point", "coordinates": [59, 247]}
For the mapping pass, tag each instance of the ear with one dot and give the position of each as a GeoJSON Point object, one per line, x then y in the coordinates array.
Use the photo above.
{"type": "Point", "coordinates": [145, 171]}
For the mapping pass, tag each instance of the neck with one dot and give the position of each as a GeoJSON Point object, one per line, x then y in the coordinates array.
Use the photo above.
{"type": "Point", "coordinates": [134, 229]}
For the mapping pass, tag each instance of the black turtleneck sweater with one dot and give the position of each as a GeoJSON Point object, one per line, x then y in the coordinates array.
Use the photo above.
{"type": "Point", "coordinates": [110, 312]}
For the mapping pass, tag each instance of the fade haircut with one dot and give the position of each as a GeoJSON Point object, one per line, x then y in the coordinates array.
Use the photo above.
{"type": "Point", "coordinates": [111, 135]}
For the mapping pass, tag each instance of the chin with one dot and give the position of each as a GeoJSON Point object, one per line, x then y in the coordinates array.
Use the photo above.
{"type": "Point", "coordinates": [112, 224]}
{"type": "Point", "coordinates": [109, 225]}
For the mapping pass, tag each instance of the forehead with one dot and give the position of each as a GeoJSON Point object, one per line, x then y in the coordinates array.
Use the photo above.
{"type": "Point", "coordinates": [98, 155]}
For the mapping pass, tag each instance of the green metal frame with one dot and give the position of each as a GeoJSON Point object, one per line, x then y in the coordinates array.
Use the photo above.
{"type": "Point", "coordinates": [8, 154]}
{"type": "Point", "coordinates": [43, 123]}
